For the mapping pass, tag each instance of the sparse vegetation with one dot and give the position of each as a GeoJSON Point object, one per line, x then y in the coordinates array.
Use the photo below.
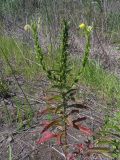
{"type": "Point", "coordinates": [56, 77]}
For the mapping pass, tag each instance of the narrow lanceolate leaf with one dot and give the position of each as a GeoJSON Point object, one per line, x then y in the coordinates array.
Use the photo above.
{"type": "Point", "coordinates": [55, 122]}
{"type": "Point", "coordinates": [115, 134]}
{"type": "Point", "coordinates": [72, 122]}
{"type": "Point", "coordinates": [74, 111]}
{"type": "Point", "coordinates": [59, 138]}
{"type": "Point", "coordinates": [46, 111]}
{"type": "Point", "coordinates": [99, 150]}
{"type": "Point", "coordinates": [10, 152]}
{"type": "Point", "coordinates": [104, 142]}
{"type": "Point", "coordinates": [54, 99]}
{"type": "Point", "coordinates": [85, 130]}
{"type": "Point", "coordinates": [58, 108]}
{"type": "Point", "coordinates": [79, 120]}
{"type": "Point", "coordinates": [77, 105]}
{"type": "Point", "coordinates": [104, 151]}
{"type": "Point", "coordinates": [116, 128]}
{"type": "Point", "coordinates": [71, 91]}
{"type": "Point", "coordinates": [45, 123]}
{"type": "Point", "coordinates": [46, 137]}
{"type": "Point", "coordinates": [49, 135]}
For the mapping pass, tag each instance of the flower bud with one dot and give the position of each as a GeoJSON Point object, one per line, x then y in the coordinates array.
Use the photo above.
{"type": "Point", "coordinates": [89, 28]}
{"type": "Point", "coordinates": [27, 27]}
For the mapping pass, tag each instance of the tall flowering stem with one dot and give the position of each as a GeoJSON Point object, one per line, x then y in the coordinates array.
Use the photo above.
{"type": "Point", "coordinates": [38, 50]}
{"type": "Point", "coordinates": [64, 54]}
{"type": "Point", "coordinates": [87, 31]}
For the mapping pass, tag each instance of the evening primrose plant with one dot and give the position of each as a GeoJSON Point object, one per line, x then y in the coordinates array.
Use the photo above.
{"type": "Point", "coordinates": [61, 107]}
{"type": "Point", "coordinates": [63, 91]}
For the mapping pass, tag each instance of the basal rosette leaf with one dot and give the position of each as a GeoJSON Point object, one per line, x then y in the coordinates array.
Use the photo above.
{"type": "Point", "coordinates": [54, 99]}
{"type": "Point", "coordinates": [82, 128]}
{"type": "Point", "coordinates": [51, 124]}
{"type": "Point", "coordinates": [48, 136]}
{"type": "Point", "coordinates": [79, 119]}
{"type": "Point", "coordinates": [77, 105]}
{"type": "Point", "coordinates": [85, 130]}
{"type": "Point", "coordinates": [46, 111]}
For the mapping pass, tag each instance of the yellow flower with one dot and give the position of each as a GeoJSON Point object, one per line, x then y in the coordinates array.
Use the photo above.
{"type": "Point", "coordinates": [82, 26]}
{"type": "Point", "coordinates": [27, 27]}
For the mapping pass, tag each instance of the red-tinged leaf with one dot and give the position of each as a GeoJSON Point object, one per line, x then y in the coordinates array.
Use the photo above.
{"type": "Point", "coordinates": [59, 141]}
{"type": "Point", "coordinates": [50, 125]}
{"type": "Point", "coordinates": [74, 125]}
{"type": "Point", "coordinates": [77, 105]}
{"type": "Point", "coordinates": [80, 147]}
{"type": "Point", "coordinates": [79, 120]}
{"type": "Point", "coordinates": [71, 156]}
{"type": "Point", "coordinates": [45, 123]}
{"type": "Point", "coordinates": [33, 132]}
{"type": "Point", "coordinates": [47, 136]}
{"type": "Point", "coordinates": [43, 112]}
{"type": "Point", "coordinates": [85, 130]}
{"type": "Point", "coordinates": [47, 132]}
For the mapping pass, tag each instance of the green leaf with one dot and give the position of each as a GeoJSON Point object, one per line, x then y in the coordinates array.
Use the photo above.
{"type": "Point", "coordinates": [104, 142]}
{"type": "Point", "coordinates": [10, 152]}
{"type": "Point", "coordinates": [57, 98]}
{"type": "Point", "coordinates": [49, 117]}
{"type": "Point", "coordinates": [104, 151]}
{"type": "Point", "coordinates": [71, 91]}
{"type": "Point", "coordinates": [58, 108]}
